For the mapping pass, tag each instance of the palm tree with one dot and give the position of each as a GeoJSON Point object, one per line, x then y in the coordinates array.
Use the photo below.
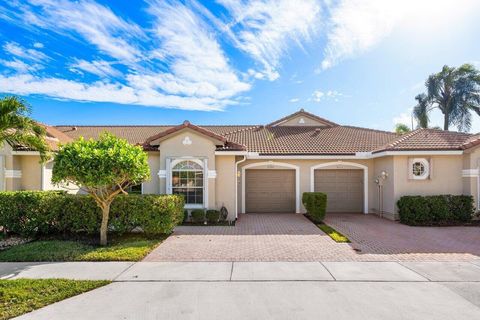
{"type": "Point", "coordinates": [401, 128]}
{"type": "Point", "coordinates": [17, 129]}
{"type": "Point", "coordinates": [455, 92]}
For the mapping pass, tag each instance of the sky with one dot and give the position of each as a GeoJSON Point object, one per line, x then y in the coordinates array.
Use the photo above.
{"type": "Point", "coordinates": [354, 62]}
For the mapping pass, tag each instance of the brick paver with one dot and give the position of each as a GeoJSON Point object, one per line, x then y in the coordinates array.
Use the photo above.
{"type": "Point", "coordinates": [291, 237]}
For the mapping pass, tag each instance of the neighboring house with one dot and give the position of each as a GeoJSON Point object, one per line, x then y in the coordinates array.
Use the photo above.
{"type": "Point", "coordinates": [266, 168]}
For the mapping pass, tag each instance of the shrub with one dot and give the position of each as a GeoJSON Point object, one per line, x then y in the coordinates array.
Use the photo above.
{"type": "Point", "coordinates": [35, 213]}
{"type": "Point", "coordinates": [213, 216]}
{"type": "Point", "coordinates": [185, 215]}
{"type": "Point", "coordinates": [316, 205]}
{"type": "Point", "coordinates": [198, 215]}
{"type": "Point", "coordinates": [435, 210]}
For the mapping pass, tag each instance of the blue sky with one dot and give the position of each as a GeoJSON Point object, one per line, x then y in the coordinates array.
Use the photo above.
{"type": "Point", "coordinates": [356, 62]}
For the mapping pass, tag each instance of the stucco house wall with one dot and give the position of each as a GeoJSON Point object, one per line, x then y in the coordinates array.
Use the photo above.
{"type": "Point", "coordinates": [305, 174]}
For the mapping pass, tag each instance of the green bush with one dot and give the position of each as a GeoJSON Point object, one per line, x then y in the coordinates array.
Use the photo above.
{"type": "Point", "coordinates": [35, 213]}
{"type": "Point", "coordinates": [198, 215]}
{"type": "Point", "coordinates": [213, 216]}
{"type": "Point", "coordinates": [435, 210]}
{"type": "Point", "coordinates": [316, 205]}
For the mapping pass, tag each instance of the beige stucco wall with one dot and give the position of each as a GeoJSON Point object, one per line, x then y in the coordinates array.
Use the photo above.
{"type": "Point", "coordinates": [384, 164]}
{"type": "Point", "coordinates": [307, 122]}
{"type": "Point", "coordinates": [31, 173]}
{"type": "Point", "coordinates": [201, 147]}
{"type": "Point", "coordinates": [445, 178]}
{"type": "Point", "coordinates": [225, 182]}
{"type": "Point", "coordinates": [153, 185]}
{"type": "Point", "coordinates": [305, 175]}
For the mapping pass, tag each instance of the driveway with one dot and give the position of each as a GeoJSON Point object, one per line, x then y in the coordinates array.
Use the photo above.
{"type": "Point", "coordinates": [292, 237]}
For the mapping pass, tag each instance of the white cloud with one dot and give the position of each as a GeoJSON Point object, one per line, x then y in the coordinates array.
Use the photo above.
{"type": "Point", "coordinates": [38, 45]}
{"type": "Point", "coordinates": [404, 118]}
{"type": "Point", "coordinates": [94, 22]}
{"type": "Point", "coordinates": [104, 92]}
{"type": "Point", "coordinates": [264, 29]}
{"type": "Point", "coordinates": [319, 95]}
{"type": "Point", "coordinates": [16, 64]}
{"type": "Point", "coordinates": [197, 65]}
{"type": "Point", "coordinates": [357, 25]}
{"type": "Point", "coordinates": [182, 66]}
{"type": "Point", "coordinates": [100, 68]}
{"type": "Point", "coordinates": [30, 54]}
{"type": "Point", "coordinates": [293, 100]}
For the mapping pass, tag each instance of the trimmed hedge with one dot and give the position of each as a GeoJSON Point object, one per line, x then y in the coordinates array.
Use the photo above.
{"type": "Point", "coordinates": [316, 205]}
{"type": "Point", "coordinates": [212, 216]}
{"type": "Point", "coordinates": [198, 215]}
{"type": "Point", "coordinates": [435, 210]}
{"type": "Point", "coordinates": [35, 213]}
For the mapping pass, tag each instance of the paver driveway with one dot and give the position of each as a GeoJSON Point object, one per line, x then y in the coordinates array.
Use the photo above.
{"type": "Point", "coordinates": [291, 237]}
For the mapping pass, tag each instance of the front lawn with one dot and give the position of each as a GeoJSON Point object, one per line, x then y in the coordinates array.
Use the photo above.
{"type": "Point", "coordinates": [332, 233]}
{"type": "Point", "coordinates": [125, 248]}
{"type": "Point", "coordinates": [24, 295]}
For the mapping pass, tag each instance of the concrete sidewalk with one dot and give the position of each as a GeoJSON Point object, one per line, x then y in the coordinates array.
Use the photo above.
{"type": "Point", "coordinates": [263, 290]}
{"type": "Point", "coordinates": [328, 300]}
{"type": "Point", "coordinates": [248, 271]}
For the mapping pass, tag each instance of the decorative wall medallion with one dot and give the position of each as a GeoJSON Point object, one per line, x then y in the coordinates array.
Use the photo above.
{"type": "Point", "coordinates": [187, 141]}
{"type": "Point", "coordinates": [301, 120]}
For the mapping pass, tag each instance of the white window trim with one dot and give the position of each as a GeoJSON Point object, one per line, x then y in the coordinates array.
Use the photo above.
{"type": "Point", "coordinates": [343, 165]}
{"type": "Point", "coordinates": [274, 165]}
{"type": "Point", "coordinates": [426, 165]}
{"type": "Point", "coordinates": [171, 162]}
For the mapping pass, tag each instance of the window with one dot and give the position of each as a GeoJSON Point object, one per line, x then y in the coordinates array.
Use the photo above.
{"type": "Point", "coordinates": [136, 189]}
{"type": "Point", "coordinates": [187, 179]}
{"type": "Point", "coordinates": [419, 169]}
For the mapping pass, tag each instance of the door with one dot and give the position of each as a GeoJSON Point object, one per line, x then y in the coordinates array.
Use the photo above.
{"type": "Point", "coordinates": [344, 189]}
{"type": "Point", "coordinates": [269, 191]}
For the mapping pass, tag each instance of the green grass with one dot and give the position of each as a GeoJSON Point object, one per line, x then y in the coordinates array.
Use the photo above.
{"type": "Point", "coordinates": [24, 295]}
{"type": "Point", "coordinates": [332, 233]}
{"type": "Point", "coordinates": [127, 248]}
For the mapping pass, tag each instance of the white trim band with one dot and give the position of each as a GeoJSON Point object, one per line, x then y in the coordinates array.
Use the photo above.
{"type": "Point", "coordinates": [162, 174]}
{"type": "Point", "coordinates": [13, 173]}
{"type": "Point", "coordinates": [470, 173]}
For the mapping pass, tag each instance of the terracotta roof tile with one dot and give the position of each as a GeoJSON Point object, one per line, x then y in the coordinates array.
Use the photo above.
{"type": "Point", "coordinates": [294, 140]}
{"type": "Point", "coordinates": [427, 139]}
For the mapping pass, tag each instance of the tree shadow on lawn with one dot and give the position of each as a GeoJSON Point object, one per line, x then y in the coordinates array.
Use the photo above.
{"type": "Point", "coordinates": [126, 247]}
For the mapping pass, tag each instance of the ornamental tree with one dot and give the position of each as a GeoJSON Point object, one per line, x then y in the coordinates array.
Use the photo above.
{"type": "Point", "coordinates": [104, 168]}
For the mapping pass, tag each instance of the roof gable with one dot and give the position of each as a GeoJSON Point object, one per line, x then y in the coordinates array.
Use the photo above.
{"type": "Point", "coordinates": [218, 139]}
{"type": "Point", "coordinates": [303, 118]}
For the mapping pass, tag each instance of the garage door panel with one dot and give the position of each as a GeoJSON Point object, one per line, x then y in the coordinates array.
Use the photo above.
{"type": "Point", "coordinates": [344, 189]}
{"type": "Point", "coordinates": [269, 190]}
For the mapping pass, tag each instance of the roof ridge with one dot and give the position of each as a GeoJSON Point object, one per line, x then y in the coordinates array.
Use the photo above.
{"type": "Point", "coordinates": [241, 130]}
{"type": "Point", "coordinates": [368, 129]}
{"type": "Point", "coordinates": [398, 140]}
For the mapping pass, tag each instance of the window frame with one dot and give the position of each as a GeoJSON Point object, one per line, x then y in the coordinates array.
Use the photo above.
{"type": "Point", "coordinates": [426, 165]}
{"type": "Point", "coordinates": [202, 162]}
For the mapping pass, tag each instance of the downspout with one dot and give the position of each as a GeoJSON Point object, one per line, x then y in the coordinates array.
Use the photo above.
{"type": "Point", "coordinates": [236, 184]}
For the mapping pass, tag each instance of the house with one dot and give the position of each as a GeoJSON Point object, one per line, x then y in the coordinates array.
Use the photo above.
{"type": "Point", "coordinates": [266, 168]}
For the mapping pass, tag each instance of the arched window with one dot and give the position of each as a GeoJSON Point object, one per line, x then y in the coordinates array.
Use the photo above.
{"type": "Point", "coordinates": [187, 179]}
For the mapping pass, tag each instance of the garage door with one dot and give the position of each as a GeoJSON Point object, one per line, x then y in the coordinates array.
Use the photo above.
{"type": "Point", "coordinates": [269, 191]}
{"type": "Point", "coordinates": [344, 189]}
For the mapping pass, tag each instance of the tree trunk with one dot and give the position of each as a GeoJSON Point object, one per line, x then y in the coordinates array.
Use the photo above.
{"type": "Point", "coordinates": [445, 121]}
{"type": "Point", "coordinates": [104, 226]}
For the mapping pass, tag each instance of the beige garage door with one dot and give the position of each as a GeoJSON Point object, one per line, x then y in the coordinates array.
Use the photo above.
{"type": "Point", "coordinates": [344, 189]}
{"type": "Point", "coordinates": [269, 191]}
